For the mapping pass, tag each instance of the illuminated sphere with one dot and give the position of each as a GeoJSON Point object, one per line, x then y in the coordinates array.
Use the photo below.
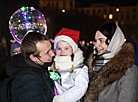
{"type": "Point", "coordinates": [25, 20]}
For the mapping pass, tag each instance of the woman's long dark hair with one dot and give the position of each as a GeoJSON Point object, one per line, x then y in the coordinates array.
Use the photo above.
{"type": "Point", "coordinates": [108, 30]}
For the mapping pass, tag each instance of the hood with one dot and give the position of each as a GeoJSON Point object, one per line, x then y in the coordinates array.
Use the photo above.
{"type": "Point", "coordinates": [18, 61]}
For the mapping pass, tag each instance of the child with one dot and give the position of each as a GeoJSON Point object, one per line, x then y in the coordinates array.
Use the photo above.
{"type": "Point", "coordinates": [69, 63]}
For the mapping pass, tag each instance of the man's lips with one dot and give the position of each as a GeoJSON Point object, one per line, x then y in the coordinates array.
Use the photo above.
{"type": "Point", "coordinates": [50, 60]}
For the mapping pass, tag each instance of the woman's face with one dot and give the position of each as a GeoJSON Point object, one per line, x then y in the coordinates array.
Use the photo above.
{"type": "Point", "coordinates": [100, 43]}
{"type": "Point", "coordinates": [63, 49]}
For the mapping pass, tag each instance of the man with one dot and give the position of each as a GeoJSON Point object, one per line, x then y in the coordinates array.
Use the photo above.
{"type": "Point", "coordinates": [36, 53]}
{"type": "Point", "coordinates": [15, 48]}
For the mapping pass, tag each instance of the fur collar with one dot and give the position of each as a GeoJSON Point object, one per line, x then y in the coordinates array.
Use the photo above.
{"type": "Point", "coordinates": [112, 71]}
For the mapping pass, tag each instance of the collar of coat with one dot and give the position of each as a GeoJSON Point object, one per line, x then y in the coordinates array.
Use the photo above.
{"type": "Point", "coordinates": [110, 72]}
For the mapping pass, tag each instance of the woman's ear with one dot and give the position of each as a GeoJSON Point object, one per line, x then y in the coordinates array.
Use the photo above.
{"type": "Point", "coordinates": [108, 41]}
{"type": "Point", "coordinates": [32, 57]}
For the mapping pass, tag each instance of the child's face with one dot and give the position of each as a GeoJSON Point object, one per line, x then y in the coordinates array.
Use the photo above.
{"type": "Point", "coordinates": [63, 49]}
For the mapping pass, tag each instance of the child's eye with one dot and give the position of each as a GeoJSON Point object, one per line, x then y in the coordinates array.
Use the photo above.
{"type": "Point", "coordinates": [66, 48]}
{"type": "Point", "coordinates": [58, 48]}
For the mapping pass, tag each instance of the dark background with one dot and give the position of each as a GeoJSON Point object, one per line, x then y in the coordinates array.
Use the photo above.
{"type": "Point", "coordinates": [110, 2]}
{"type": "Point", "coordinates": [84, 23]}
{"type": "Point", "coordinates": [8, 7]}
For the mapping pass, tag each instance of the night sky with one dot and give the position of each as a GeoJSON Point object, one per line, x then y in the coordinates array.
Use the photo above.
{"type": "Point", "coordinates": [110, 2]}
{"type": "Point", "coordinates": [8, 7]}
{"type": "Point", "coordinates": [12, 5]}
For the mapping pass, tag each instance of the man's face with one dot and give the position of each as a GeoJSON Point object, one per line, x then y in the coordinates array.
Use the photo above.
{"type": "Point", "coordinates": [46, 53]}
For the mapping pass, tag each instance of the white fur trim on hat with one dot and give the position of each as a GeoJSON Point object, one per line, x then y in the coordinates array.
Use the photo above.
{"type": "Point", "coordinates": [67, 39]}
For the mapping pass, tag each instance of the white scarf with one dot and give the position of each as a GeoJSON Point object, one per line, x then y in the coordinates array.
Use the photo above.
{"type": "Point", "coordinates": [116, 43]}
{"type": "Point", "coordinates": [64, 63]}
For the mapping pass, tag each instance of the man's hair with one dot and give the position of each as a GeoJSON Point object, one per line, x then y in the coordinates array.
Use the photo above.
{"type": "Point", "coordinates": [28, 45]}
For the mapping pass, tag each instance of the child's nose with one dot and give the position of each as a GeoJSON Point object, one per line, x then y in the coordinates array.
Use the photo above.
{"type": "Point", "coordinates": [62, 51]}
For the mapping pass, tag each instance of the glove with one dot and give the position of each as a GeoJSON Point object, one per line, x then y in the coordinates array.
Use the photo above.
{"type": "Point", "coordinates": [54, 75]}
{"type": "Point", "coordinates": [58, 98]}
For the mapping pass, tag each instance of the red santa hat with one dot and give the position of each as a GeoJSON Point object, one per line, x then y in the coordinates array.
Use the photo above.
{"type": "Point", "coordinates": [68, 35]}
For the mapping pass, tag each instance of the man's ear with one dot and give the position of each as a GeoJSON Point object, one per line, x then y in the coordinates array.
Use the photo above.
{"type": "Point", "coordinates": [32, 57]}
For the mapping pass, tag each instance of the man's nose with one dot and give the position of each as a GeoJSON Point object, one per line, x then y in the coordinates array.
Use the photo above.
{"type": "Point", "coordinates": [52, 53]}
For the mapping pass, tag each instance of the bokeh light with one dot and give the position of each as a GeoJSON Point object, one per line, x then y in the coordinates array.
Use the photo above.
{"type": "Point", "coordinates": [25, 20]}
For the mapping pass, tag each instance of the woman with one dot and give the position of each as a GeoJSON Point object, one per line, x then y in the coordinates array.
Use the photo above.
{"type": "Point", "coordinates": [112, 72]}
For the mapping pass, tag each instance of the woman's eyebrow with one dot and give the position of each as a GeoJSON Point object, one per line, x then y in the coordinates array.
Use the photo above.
{"type": "Point", "coordinates": [99, 38]}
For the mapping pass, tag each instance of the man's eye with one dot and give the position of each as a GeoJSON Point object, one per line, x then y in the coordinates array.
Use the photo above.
{"type": "Point", "coordinates": [48, 52]}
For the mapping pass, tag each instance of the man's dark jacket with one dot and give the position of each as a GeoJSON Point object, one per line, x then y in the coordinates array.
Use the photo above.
{"type": "Point", "coordinates": [28, 87]}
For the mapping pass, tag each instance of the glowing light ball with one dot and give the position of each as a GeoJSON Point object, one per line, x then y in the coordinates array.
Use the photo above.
{"type": "Point", "coordinates": [25, 20]}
